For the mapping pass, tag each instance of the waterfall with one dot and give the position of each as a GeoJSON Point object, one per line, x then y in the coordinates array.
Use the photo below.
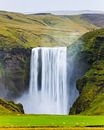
{"type": "Point", "coordinates": [51, 89]}
{"type": "Point", "coordinates": [48, 81]}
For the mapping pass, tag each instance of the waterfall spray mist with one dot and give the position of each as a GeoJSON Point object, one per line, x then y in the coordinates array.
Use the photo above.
{"type": "Point", "coordinates": [52, 87]}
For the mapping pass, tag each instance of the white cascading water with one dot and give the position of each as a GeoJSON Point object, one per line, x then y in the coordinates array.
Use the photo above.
{"type": "Point", "coordinates": [48, 90]}
{"type": "Point", "coordinates": [48, 81]}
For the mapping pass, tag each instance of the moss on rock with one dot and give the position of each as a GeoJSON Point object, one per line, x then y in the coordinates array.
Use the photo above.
{"type": "Point", "coordinates": [91, 85]}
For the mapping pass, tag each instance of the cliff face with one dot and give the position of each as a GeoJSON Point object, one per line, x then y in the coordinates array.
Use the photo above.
{"type": "Point", "coordinates": [91, 85]}
{"type": "Point", "coordinates": [14, 72]}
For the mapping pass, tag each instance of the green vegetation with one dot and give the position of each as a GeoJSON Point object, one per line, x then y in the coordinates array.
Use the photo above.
{"type": "Point", "coordinates": [50, 121]}
{"type": "Point", "coordinates": [91, 85]}
{"type": "Point", "coordinates": [28, 31]}
{"type": "Point", "coordinates": [9, 107]}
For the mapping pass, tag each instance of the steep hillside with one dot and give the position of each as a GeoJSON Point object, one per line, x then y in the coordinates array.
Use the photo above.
{"type": "Point", "coordinates": [8, 107]}
{"type": "Point", "coordinates": [91, 85]}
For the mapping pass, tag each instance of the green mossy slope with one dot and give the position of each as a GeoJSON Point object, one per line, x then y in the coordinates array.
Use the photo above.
{"type": "Point", "coordinates": [9, 107]}
{"type": "Point", "coordinates": [91, 85]}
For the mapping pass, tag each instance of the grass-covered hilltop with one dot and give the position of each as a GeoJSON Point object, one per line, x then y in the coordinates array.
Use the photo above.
{"type": "Point", "coordinates": [19, 33]}
{"type": "Point", "coordinates": [91, 85]}
{"type": "Point", "coordinates": [19, 30]}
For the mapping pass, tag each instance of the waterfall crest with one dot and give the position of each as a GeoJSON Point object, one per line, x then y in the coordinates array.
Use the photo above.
{"type": "Point", "coordinates": [48, 81]}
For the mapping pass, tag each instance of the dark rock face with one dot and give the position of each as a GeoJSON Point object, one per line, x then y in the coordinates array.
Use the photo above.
{"type": "Point", "coordinates": [14, 72]}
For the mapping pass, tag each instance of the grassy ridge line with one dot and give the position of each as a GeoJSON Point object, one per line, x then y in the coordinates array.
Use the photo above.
{"type": "Point", "coordinates": [31, 121]}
